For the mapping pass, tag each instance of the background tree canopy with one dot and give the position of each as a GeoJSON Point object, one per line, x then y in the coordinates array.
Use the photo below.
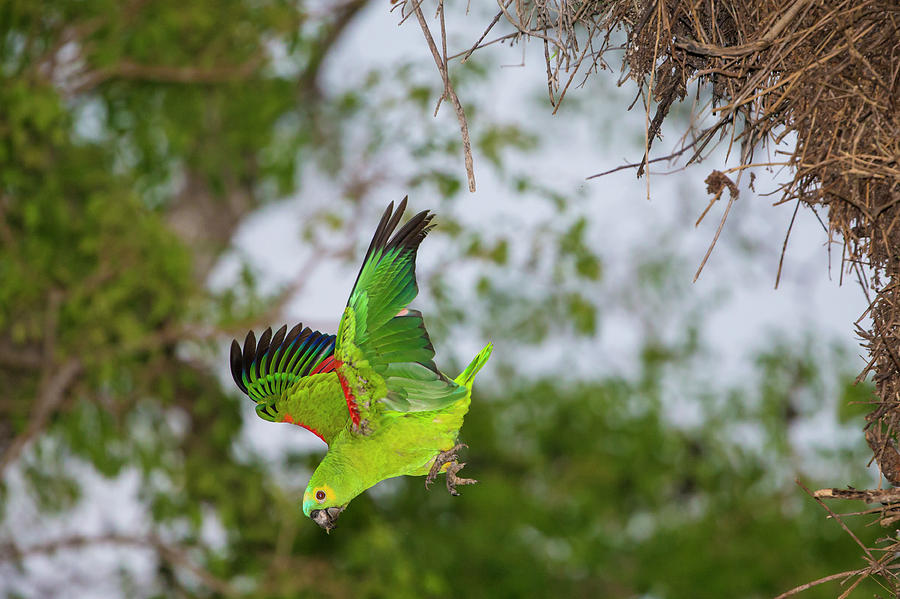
{"type": "Point", "coordinates": [144, 144]}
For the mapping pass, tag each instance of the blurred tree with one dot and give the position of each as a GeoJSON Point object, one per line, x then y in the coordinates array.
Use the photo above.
{"type": "Point", "coordinates": [136, 137]}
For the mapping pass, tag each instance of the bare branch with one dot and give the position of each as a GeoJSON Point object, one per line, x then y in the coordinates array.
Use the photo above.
{"type": "Point", "coordinates": [127, 69]}
{"type": "Point", "coordinates": [451, 94]}
{"type": "Point", "coordinates": [838, 518]}
{"type": "Point", "coordinates": [716, 184]}
{"type": "Point", "coordinates": [172, 554]}
{"type": "Point", "coordinates": [668, 157]}
{"type": "Point", "coordinates": [868, 495]}
{"type": "Point", "coordinates": [744, 49]}
{"type": "Point", "coordinates": [19, 357]}
{"type": "Point", "coordinates": [824, 579]}
{"type": "Point", "coordinates": [52, 394]}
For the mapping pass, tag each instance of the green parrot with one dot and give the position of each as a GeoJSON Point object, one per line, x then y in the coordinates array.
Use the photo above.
{"type": "Point", "coordinates": [372, 392]}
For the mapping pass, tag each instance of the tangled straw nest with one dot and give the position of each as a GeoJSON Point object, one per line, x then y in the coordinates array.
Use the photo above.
{"type": "Point", "coordinates": [826, 72]}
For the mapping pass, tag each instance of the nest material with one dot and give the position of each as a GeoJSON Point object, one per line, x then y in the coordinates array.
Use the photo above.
{"type": "Point", "coordinates": [824, 71]}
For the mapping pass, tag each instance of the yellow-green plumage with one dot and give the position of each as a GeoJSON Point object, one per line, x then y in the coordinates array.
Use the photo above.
{"type": "Point", "coordinates": [317, 402]}
{"type": "Point", "coordinates": [373, 392]}
{"type": "Point", "coordinates": [403, 443]}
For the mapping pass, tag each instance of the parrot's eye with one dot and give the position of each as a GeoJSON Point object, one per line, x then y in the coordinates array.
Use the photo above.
{"type": "Point", "coordinates": [320, 495]}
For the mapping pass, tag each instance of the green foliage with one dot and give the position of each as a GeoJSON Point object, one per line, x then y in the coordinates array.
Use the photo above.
{"type": "Point", "coordinates": [497, 138]}
{"type": "Point", "coordinates": [855, 400]}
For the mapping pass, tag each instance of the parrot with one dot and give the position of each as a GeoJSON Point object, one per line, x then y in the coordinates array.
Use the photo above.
{"type": "Point", "coordinates": [372, 392]}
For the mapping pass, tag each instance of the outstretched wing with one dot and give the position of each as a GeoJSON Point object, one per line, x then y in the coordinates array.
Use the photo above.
{"type": "Point", "coordinates": [290, 376]}
{"type": "Point", "coordinates": [386, 360]}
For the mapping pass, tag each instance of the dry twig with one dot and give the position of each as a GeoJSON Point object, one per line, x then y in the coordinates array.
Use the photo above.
{"type": "Point", "coordinates": [450, 93]}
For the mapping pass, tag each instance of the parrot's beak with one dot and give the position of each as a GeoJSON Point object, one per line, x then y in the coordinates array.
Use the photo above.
{"type": "Point", "coordinates": [326, 518]}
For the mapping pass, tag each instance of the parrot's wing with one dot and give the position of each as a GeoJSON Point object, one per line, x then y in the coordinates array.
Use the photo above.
{"type": "Point", "coordinates": [388, 356]}
{"type": "Point", "coordinates": [292, 369]}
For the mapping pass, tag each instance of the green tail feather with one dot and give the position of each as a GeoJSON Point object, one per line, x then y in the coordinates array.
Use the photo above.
{"type": "Point", "coordinates": [468, 375]}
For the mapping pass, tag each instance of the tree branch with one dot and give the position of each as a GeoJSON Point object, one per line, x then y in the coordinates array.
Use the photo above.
{"type": "Point", "coordinates": [867, 495]}
{"type": "Point", "coordinates": [824, 579]}
{"type": "Point", "coordinates": [174, 555]}
{"type": "Point", "coordinates": [52, 393]}
{"type": "Point", "coordinates": [451, 94]}
{"type": "Point", "coordinates": [308, 80]}
{"type": "Point", "coordinates": [128, 69]}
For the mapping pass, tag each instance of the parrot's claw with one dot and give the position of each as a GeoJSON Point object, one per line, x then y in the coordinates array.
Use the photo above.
{"type": "Point", "coordinates": [453, 480]}
{"type": "Point", "coordinates": [449, 457]}
{"type": "Point", "coordinates": [440, 459]}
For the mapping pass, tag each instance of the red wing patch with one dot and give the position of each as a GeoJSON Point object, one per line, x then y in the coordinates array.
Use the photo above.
{"type": "Point", "coordinates": [287, 418]}
{"type": "Point", "coordinates": [329, 364]}
{"type": "Point", "coordinates": [348, 395]}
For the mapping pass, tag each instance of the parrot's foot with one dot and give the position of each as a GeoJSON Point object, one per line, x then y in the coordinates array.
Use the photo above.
{"type": "Point", "coordinates": [362, 428]}
{"type": "Point", "coordinates": [440, 459]}
{"type": "Point", "coordinates": [453, 480]}
{"type": "Point", "coordinates": [449, 457]}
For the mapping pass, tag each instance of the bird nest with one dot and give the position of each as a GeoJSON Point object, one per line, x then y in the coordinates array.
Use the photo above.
{"type": "Point", "coordinates": [825, 73]}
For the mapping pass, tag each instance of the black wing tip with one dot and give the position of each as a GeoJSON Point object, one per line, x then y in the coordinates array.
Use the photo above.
{"type": "Point", "coordinates": [412, 233]}
{"type": "Point", "coordinates": [408, 237]}
{"type": "Point", "coordinates": [419, 224]}
{"type": "Point", "coordinates": [264, 341]}
{"type": "Point", "coordinates": [278, 339]}
{"type": "Point", "coordinates": [237, 365]}
{"type": "Point", "coordinates": [242, 360]}
{"type": "Point", "coordinates": [258, 357]}
{"type": "Point", "coordinates": [249, 352]}
{"type": "Point", "coordinates": [293, 334]}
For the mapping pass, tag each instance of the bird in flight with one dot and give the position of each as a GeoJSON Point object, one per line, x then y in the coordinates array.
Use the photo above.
{"type": "Point", "coordinates": [372, 392]}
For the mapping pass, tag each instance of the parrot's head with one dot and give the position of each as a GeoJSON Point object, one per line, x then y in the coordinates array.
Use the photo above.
{"type": "Point", "coordinates": [325, 499]}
